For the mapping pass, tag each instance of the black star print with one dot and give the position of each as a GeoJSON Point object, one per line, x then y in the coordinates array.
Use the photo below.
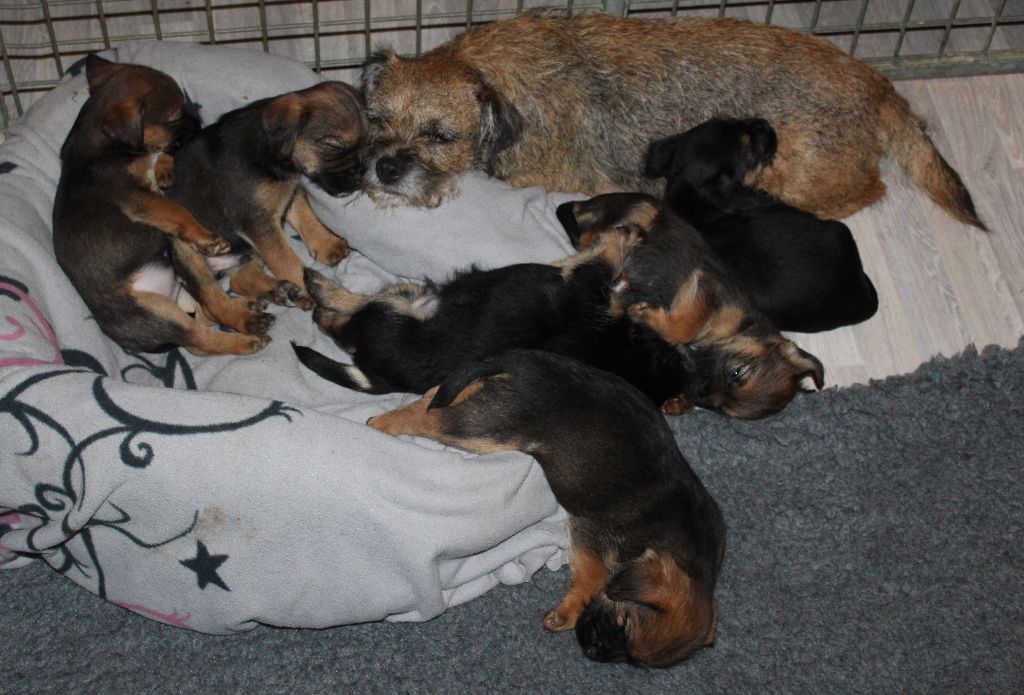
{"type": "Point", "coordinates": [205, 566]}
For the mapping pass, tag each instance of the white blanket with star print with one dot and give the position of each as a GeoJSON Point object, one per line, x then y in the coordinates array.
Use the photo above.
{"type": "Point", "coordinates": [219, 493]}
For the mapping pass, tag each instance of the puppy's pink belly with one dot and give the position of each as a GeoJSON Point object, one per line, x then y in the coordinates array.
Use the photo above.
{"type": "Point", "coordinates": [157, 280]}
{"type": "Point", "coordinates": [221, 263]}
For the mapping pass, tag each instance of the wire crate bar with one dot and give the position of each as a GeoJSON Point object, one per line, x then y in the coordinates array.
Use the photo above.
{"type": "Point", "coordinates": [41, 39]}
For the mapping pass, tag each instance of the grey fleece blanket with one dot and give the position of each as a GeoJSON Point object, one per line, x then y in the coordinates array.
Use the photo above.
{"type": "Point", "coordinates": [874, 547]}
{"type": "Point", "coordinates": [219, 493]}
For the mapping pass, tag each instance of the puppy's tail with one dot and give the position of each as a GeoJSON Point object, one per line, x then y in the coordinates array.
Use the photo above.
{"type": "Point", "coordinates": [910, 145]}
{"type": "Point", "coordinates": [347, 375]}
{"type": "Point", "coordinates": [460, 380]}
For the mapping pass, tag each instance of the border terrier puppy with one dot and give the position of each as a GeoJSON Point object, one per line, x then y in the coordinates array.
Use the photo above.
{"type": "Point", "coordinates": [804, 273]}
{"type": "Point", "coordinates": [571, 104]}
{"type": "Point", "coordinates": [241, 178]}
{"type": "Point", "coordinates": [646, 537]}
{"type": "Point", "coordinates": [742, 365]}
{"type": "Point", "coordinates": [411, 337]}
{"type": "Point", "coordinates": [125, 247]}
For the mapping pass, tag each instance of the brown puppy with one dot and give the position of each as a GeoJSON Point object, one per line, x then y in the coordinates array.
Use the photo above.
{"type": "Point", "coordinates": [647, 539]}
{"type": "Point", "coordinates": [676, 285]}
{"type": "Point", "coordinates": [572, 103]}
{"type": "Point", "coordinates": [122, 244]}
{"type": "Point", "coordinates": [240, 177]}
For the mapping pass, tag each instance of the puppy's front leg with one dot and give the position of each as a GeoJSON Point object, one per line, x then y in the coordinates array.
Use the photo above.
{"type": "Point", "coordinates": [251, 279]}
{"type": "Point", "coordinates": [682, 322]}
{"type": "Point", "coordinates": [326, 246]}
{"type": "Point", "coordinates": [611, 246]}
{"type": "Point", "coordinates": [589, 575]}
{"type": "Point", "coordinates": [280, 257]}
{"type": "Point", "coordinates": [330, 295]}
{"type": "Point", "coordinates": [153, 209]}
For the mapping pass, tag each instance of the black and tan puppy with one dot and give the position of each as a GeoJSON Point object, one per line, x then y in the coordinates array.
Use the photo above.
{"type": "Point", "coordinates": [647, 539]}
{"type": "Point", "coordinates": [125, 247]}
{"type": "Point", "coordinates": [678, 286]}
{"type": "Point", "coordinates": [572, 103]}
{"type": "Point", "coordinates": [241, 178]}
{"type": "Point", "coordinates": [804, 273]}
{"type": "Point", "coordinates": [411, 337]}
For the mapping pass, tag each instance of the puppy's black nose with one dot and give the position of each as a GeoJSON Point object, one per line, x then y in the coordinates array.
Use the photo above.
{"type": "Point", "coordinates": [390, 170]}
{"type": "Point", "coordinates": [599, 638]}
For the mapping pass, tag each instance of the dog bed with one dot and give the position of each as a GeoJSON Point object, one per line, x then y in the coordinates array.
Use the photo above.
{"type": "Point", "coordinates": [220, 493]}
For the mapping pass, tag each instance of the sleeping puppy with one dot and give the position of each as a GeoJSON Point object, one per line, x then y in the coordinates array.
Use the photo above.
{"type": "Point", "coordinates": [125, 247]}
{"type": "Point", "coordinates": [571, 104]}
{"type": "Point", "coordinates": [646, 538]}
{"type": "Point", "coordinates": [679, 287]}
{"type": "Point", "coordinates": [241, 178]}
{"type": "Point", "coordinates": [411, 337]}
{"type": "Point", "coordinates": [804, 273]}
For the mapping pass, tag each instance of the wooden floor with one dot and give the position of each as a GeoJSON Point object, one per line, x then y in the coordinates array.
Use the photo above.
{"type": "Point", "coordinates": [942, 285]}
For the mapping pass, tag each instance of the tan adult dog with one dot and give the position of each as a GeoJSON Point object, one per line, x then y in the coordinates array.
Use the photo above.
{"type": "Point", "coordinates": [572, 104]}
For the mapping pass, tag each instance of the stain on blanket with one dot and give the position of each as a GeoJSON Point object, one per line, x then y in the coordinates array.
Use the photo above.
{"type": "Point", "coordinates": [7, 167]}
{"type": "Point", "coordinates": [215, 518]}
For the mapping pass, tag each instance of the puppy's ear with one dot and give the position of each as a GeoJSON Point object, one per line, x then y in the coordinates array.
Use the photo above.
{"type": "Point", "coordinates": [501, 125]}
{"type": "Point", "coordinates": [122, 123]}
{"type": "Point", "coordinates": [652, 580]}
{"type": "Point", "coordinates": [804, 364]}
{"type": "Point", "coordinates": [99, 70]}
{"type": "Point", "coordinates": [376, 66]}
{"type": "Point", "coordinates": [660, 156]}
{"type": "Point", "coordinates": [283, 119]}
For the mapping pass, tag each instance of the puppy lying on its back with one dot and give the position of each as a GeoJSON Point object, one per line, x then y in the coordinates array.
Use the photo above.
{"type": "Point", "coordinates": [804, 273]}
{"type": "Point", "coordinates": [123, 245]}
{"type": "Point", "coordinates": [241, 178]}
{"type": "Point", "coordinates": [412, 337]}
{"type": "Point", "coordinates": [677, 285]}
{"type": "Point", "coordinates": [647, 539]}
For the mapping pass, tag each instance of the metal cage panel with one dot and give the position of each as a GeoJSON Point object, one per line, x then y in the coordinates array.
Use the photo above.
{"type": "Point", "coordinates": [41, 39]}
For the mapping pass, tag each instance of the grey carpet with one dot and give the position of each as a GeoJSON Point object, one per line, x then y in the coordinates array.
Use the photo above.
{"type": "Point", "coordinates": [875, 545]}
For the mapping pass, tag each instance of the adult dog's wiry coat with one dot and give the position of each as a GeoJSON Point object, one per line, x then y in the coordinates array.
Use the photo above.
{"type": "Point", "coordinates": [573, 103]}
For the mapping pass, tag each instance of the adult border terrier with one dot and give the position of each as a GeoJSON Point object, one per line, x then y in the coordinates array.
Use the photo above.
{"type": "Point", "coordinates": [646, 537]}
{"type": "Point", "coordinates": [571, 104]}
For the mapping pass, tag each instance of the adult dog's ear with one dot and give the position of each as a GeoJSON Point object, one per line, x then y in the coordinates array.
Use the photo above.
{"type": "Point", "coordinates": [660, 156]}
{"type": "Point", "coordinates": [501, 125]}
{"type": "Point", "coordinates": [374, 68]}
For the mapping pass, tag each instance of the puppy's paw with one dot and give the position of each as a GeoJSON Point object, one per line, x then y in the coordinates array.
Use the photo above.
{"type": "Point", "coordinates": [640, 311]}
{"type": "Point", "coordinates": [334, 253]}
{"type": "Point", "coordinates": [259, 323]}
{"type": "Point", "coordinates": [163, 171]}
{"type": "Point", "coordinates": [257, 342]}
{"type": "Point", "coordinates": [677, 405]}
{"type": "Point", "coordinates": [299, 298]}
{"type": "Point", "coordinates": [558, 620]}
{"type": "Point", "coordinates": [282, 293]}
{"type": "Point", "coordinates": [213, 246]}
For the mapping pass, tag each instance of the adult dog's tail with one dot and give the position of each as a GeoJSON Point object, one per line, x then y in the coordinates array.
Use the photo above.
{"type": "Point", "coordinates": [347, 375]}
{"type": "Point", "coordinates": [910, 145]}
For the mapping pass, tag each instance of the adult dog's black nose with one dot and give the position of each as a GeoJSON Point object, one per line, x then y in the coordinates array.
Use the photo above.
{"type": "Point", "coordinates": [390, 170]}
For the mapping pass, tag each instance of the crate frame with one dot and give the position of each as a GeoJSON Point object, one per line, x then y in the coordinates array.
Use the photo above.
{"type": "Point", "coordinates": [335, 38]}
